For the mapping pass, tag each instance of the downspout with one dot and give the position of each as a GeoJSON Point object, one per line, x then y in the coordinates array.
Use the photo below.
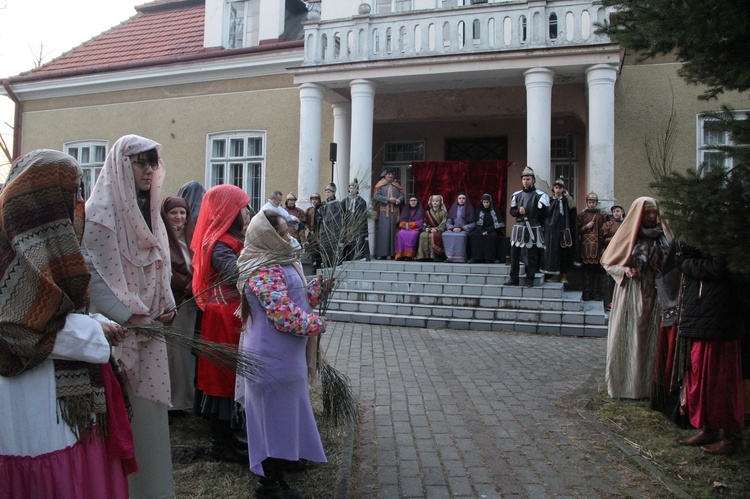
{"type": "Point", "coordinates": [17, 120]}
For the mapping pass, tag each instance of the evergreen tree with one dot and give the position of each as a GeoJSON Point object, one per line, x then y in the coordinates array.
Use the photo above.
{"type": "Point", "coordinates": [709, 37]}
{"type": "Point", "coordinates": [707, 208]}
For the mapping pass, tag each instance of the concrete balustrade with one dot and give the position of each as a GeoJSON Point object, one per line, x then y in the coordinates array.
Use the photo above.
{"type": "Point", "coordinates": [478, 28]}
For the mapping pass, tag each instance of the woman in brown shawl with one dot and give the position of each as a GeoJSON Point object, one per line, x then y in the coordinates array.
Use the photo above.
{"type": "Point", "coordinates": [65, 426]}
{"type": "Point", "coordinates": [431, 238]}
{"type": "Point", "coordinates": [179, 224]}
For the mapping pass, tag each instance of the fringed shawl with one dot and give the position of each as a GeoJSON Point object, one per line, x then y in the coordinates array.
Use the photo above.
{"type": "Point", "coordinates": [264, 247]}
{"type": "Point", "coordinates": [43, 278]}
{"type": "Point", "coordinates": [132, 259]}
{"type": "Point", "coordinates": [620, 249]}
{"type": "Point", "coordinates": [488, 215]}
{"type": "Point", "coordinates": [219, 209]}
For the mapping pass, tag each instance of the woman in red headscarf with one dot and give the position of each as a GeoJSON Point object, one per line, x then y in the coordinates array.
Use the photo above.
{"type": "Point", "coordinates": [217, 241]}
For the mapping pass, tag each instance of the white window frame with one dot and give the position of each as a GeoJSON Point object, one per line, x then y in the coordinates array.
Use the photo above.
{"type": "Point", "coordinates": [91, 168]}
{"type": "Point", "coordinates": [246, 164]}
{"type": "Point", "coordinates": [703, 149]}
{"type": "Point", "coordinates": [402, 163]}
{"type": "Point", "coordinates": [228, 23]}
{"type": "Point", "coordinates": [561, 162]}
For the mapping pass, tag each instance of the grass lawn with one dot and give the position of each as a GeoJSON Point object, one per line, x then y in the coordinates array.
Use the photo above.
{"type": "Point", "coordinates": [700, 475]}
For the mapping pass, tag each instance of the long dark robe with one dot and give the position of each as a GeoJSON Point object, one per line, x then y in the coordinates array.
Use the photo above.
{"type": "Point", "coordinates": [560, 235]}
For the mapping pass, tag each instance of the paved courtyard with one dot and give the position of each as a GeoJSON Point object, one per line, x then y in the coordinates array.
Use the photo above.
{"type": "Point", "coordinates": [481, 414]}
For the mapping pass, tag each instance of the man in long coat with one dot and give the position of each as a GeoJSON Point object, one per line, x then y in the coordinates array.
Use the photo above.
{"type": "Point", "coordinates": [387, 197]}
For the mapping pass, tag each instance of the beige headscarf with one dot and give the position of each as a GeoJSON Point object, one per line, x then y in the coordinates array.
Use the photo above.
{"type": "Point", "coordinates": [132, 259]}
{"type": "Point", "coordinates": [620, 249]}
{"type": "Point", "coordinates": [264, 247]}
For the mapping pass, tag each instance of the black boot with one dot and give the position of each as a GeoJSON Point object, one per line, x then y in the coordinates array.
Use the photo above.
{"type": "Point", "coordinates": [222, 447]}
{"type": "Point", "coordinates": [274, 487]}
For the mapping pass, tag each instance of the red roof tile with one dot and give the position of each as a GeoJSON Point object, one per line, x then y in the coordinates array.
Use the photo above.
{"type": "Point", "coordinates": [154, 34]}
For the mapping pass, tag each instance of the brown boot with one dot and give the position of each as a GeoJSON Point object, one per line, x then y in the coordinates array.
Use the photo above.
{"type": "Point", "coordinates": [706, 436]}
{"type": "Point", "coordinates": [730, 444]}
{"type": "Point", "coordinates": [564, 278]}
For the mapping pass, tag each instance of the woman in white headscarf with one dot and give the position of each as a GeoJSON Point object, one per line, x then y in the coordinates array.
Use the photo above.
{"type": "Point", "coordinates": [128, 256]}
{"type": "Point", "coordinates": [633, 258]}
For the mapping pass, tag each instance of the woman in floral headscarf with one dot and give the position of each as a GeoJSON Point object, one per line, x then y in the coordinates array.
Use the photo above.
{"type": "Point", "coordinates": [127, 244]}
{"type": "Point", "coordinates": [280, 326]}
{"type": "Point", "coordinates": [633, 258]}
{"type": "Point", "coordinates": [65, 426]}
{"type": "Point", "coordinates": [217, 242]}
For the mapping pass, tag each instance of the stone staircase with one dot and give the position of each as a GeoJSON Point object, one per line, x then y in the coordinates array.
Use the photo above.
{"type": "Point", "coordinates": [459, 296]}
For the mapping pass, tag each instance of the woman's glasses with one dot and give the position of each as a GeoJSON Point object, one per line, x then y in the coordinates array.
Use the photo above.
{"type": "Point", "coordinates": [142, 164]}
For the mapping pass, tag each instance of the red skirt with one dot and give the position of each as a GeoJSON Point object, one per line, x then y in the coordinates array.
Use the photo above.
{"type": "Point", "coordinates": [222, 326]}
{"type": "Point", "coordinates": [713, 385]}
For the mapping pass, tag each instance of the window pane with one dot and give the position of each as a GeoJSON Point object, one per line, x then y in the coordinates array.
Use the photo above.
{"type": "Point", "coordinates": [217, 174]}
{"type": "Point", "coordinates": [236, 148]}
{"type": "Point", "coordinates": [400, 152]}
{"type": "Point", "coordinates": [100, 152]}
{"type": "Point", "coordinates": [255, 170]}
{"type": "Point", "coordinates": [235, 174]}
{"type": "Point", "coordinates": [73, 151]}
{"type": "Point", "coordinates": [85, 155]}
{"type": "Point", "coordinates": [714, 159]}
{"type": "Point", "coordinates": [218, 148]}
{"type": "Point", "coordinates": [255, 146]}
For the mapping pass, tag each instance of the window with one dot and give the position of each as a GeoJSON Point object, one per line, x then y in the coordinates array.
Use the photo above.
{"type": "Point", "coordinates": [236, 24]}
{"type": "Point", "coordinates": [398, 155]}
{"type": "Point", "coordinates": [711, 137]}
{"type": "Point", "coordinates": [238, 158]}
{"type": "Point", "coordinates": [90, 155]}
{"type": "Point", "coordinates": [563, 155]}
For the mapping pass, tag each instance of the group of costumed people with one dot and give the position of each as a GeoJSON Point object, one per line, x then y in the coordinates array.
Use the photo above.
{"type": "Point", "coordinates": [459, 234]}
{"type": "Point", "coordinates": [86, 377]}
{"type": "Point", "coordinates": [674, 335]}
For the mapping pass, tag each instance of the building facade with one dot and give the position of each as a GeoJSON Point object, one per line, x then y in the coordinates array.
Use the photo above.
{"type": "Point", "coordinates": [252, 93]}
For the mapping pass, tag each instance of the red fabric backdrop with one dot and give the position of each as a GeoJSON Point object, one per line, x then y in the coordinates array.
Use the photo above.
{"type": "Point", "coordinates": [449, 177]}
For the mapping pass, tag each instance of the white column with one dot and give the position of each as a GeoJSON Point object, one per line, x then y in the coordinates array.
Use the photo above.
{"type": "Point", "coordinates": [600, 159]}
{"type": "Point", "coordinates": [539, 120]}
{"type": "Point", "coordinates": [360, 166]}
{"type": "Point", "coordinates": [310, 119]}
{"type": "Point", "coordinates": [342, 131]}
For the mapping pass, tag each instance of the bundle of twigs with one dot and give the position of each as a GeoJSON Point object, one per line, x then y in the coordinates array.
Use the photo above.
{"type": "Point", "coordinates": [244, 363]}
{"type": "Point", "coordinates": [333, 239]}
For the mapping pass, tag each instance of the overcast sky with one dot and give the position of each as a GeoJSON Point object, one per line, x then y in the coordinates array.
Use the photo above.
{"type": "Point", "coordinates": [55, 26]}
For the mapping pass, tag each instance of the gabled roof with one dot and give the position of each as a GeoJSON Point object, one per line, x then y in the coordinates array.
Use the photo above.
{"type": "Point", "coordinates": [162, 32]}
{"type": "Point", "coordinates": [164, 28]}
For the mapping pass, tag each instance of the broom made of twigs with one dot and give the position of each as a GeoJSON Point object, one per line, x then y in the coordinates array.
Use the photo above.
{"type": "Point", "coordinates": [245, 363]}
{"type": "Point", "coordinates": [339, 402]}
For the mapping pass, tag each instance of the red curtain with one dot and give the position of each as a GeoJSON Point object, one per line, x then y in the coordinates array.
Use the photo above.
{"type": "Point", "coordinates": [449, 177]}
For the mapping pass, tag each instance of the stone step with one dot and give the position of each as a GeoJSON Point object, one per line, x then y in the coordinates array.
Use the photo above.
{"type": "Point", "coordinates": [563, 302]}
{"type": "Point", "coordinates": [472, 324]}
{"type": "Point", "coordinates": [432, 267]}
{"type": "Point", "coordinates": [539, 291]}
{"type": "Point", "coordinates": [479, 313]}
{"type": "Point", "coordinates": [459, 296]}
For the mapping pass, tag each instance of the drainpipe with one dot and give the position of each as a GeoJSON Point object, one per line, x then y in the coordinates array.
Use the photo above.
{"type": "Point", "coordinates": [17, 120]}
